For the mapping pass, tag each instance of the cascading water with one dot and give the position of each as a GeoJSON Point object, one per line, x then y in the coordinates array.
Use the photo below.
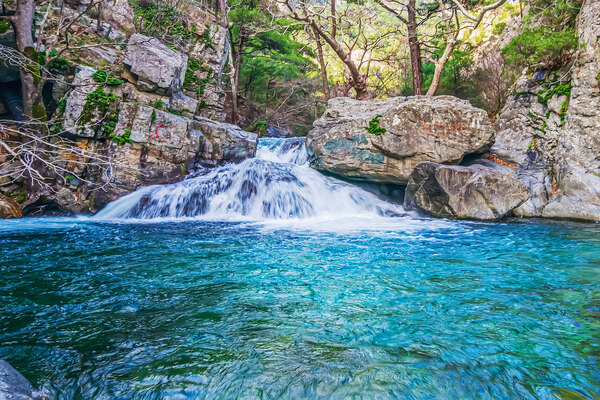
{"type": "Point", "coordinates": [277, 184]}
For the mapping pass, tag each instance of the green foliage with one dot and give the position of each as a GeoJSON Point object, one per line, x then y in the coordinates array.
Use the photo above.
{"type": "Point", "coordinates": [549, 36]}
{"type": "Point", "coordinates": [259, 127]}
{"type": "Point", "coordinates": [540, 45]}
{"type": "Point", "coordinates": [4, 26]}
{"type": "Point", "coordinates": [556, 87]}
{"type": "Point", "coordinates": [499, 28]}
{"type": "Point", "coordinates": [62, 103]}
{"type": "Point", "coordinates": [192, 81]}
{"type": "Point", "coordinates": [57, 65]}
{"type": "Point", "coordinates": [158, 104]}
{"type": "Point", "coordinates": [122, 139]}
{"type": "Point", "coordinates": [161, 19]}
{"type": "Point", "coordinates": [455, 78]}
{"type": "Point", "coordinates": [276, 67]}
{"type": "Point", "coordinates": [153, 117]}
{"type": "Point", "coordinates": [100, 105]}
{"type": "Point", "coordinates": [103, 76]}
{"type": "Point", "coordinates": [374, 127]}
{"type": "Point", "coordinates": [563, 111]}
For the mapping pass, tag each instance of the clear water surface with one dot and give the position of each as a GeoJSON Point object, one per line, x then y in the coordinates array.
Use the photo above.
{"type": "Point", "coordinates": [353, 307]}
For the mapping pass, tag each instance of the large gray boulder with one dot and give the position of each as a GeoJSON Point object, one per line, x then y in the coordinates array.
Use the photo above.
{"type": "Point", "coordinates": [157, 67]}
{"type": "Point", "coordinates": [474, 192]}
{"type": "Point", "coordinates": [221, 142]}
{"type": "Point", "coordinates": [14, 386]}
{"type": "Point", "coordinates": [442, 129]}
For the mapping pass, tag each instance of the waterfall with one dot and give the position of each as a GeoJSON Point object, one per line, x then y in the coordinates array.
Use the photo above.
{"type": "Point", "coordinates": [277, 184]}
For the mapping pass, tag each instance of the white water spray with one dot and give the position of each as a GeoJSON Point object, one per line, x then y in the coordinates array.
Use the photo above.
{"type": "Point", "coordinates": [277, 184]}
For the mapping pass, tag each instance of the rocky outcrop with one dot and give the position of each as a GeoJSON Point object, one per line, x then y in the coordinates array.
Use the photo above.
{"type": "Point", "coordinates": [221, 142]}
{"type": "Point", "coordinates": [157, 67]}
{"type": "Point", "coordinates": [9, 208]}
{"type": "Point", "coordinates": [473, 192]}
{"type": "Point", "coordinates": [14, 386]}
{"type": "Point", "coordinates": [578, 164]}
{"type": "Point", "coordinates": [403, 132]}
{"type": "Point", "coordinates": [550, 131]}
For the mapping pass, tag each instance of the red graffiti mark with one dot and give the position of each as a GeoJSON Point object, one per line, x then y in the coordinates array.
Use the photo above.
{"type": "Point", "coordinates": [156, 131]}
{"type": "Point", "coordinates": [439, 130]}
{"type": "Point", "coordinates": [496, 160]}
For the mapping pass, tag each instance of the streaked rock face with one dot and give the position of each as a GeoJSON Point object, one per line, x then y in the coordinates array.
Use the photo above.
{"type": "Point", "coordinates": [442, 129]}
{"type": "Point", "coordinates": [556, 152]}
{"type": "Point", "coordinates": [473, 192]}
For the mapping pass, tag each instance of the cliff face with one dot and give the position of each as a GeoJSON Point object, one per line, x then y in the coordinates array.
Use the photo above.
{"type": "Point", "coordinates": [550, 131]}
{"type": "Point", "coordinates": [138, 106]}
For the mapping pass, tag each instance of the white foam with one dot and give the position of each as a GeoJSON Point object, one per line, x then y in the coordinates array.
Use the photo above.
{"type": "Point", "coordinates": [276, 185]}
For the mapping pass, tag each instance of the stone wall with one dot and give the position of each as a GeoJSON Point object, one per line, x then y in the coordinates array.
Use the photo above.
{"type": "Point", "coordinates": [153, 110]}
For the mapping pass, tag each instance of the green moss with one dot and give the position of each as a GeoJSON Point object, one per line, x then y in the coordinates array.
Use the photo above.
{"type": "Point", "coordinates": [153, 117]}
{"type": "Point", "coordinates": [62, 103]}
{"type": "Point", "coordinates": [103, 106]}
{"type": "Point", "coordinates": [158, 103]}
{"type": "Point", "coordinates": [4, 26]}
{"type": "Point", "coordinates": [123, 138]}
{"type": "Point", "coordinates": [58, 65]}
{"type": "Point", "coordinates": [374, 127]}
{"type": "Point", "coordinates": [556, 87]}
{"type": "Point", "coordinates": [533, 143]}
{"type": "Point", "coordinates": [19, 195]}
{"type": "Point", "coordinates": [202, 104]}
{"type": "Point", "coordinates": [103, 76]}
{"type": "Point", "coordinates": [563, 111]}
{"type": "Point", "coordinates": [176, 112]}
{"type": "Point", "coordinates": [499, 28]}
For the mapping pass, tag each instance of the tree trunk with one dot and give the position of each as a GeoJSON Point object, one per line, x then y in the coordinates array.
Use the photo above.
{"type": "Point", "coordinates": [358, 81]}
{"type": "Point", "coordinates": [415, 50]}
{"type": "Point", "coordinates": [439, 66]}
{"type": "Point", "coordinates": [33, 107]}
{"type": "Point", "coordinates": [323, 66]}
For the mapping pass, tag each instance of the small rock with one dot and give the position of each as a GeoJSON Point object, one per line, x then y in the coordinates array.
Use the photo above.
{"type": "Point", "coordinates": [155, 64]}
{"type": "Point", "coordinates": [181, 102]}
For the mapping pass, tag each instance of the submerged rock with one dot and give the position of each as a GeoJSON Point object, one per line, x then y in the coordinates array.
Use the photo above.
{"type": "Point", "coordinates": [9, 208]}
{"type": "Point", "coordinates": [414, 129]}
{"type": "Point", "coordinates": [473, 192]}
{"type": "Point", "coordinates": [14, 386]}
